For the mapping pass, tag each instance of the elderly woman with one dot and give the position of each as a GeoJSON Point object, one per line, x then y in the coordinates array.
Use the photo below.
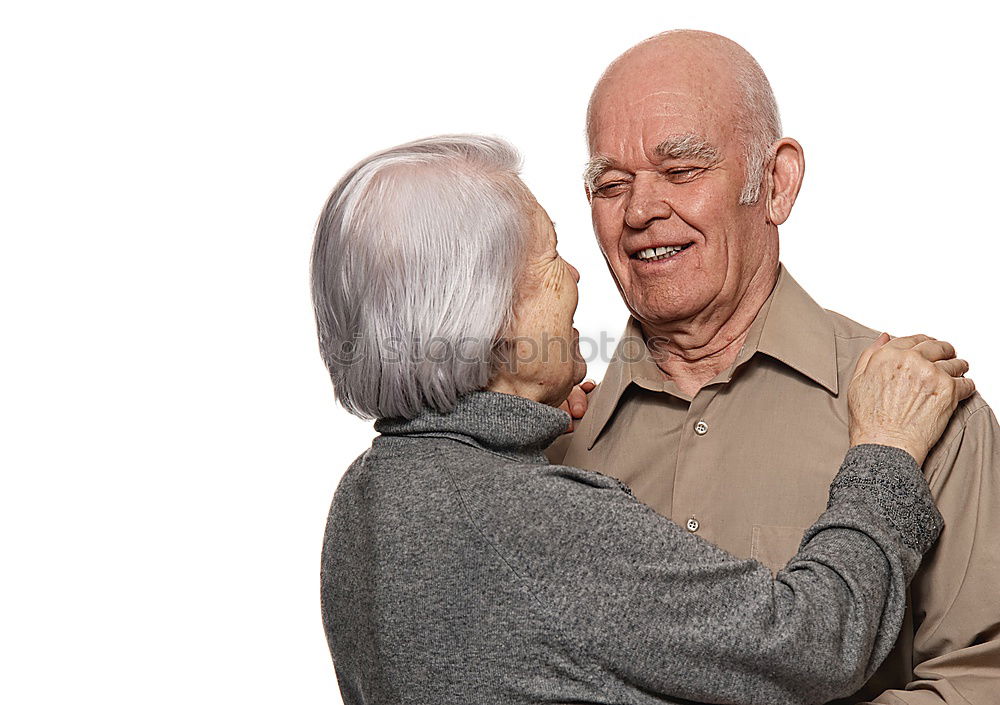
{"type": "Point", "coordinates": [461, 567]}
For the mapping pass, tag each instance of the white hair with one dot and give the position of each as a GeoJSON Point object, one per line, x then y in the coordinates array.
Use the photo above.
{"type": "Point", "coordinates": [760, 125]}
{"type": "Point", "coordinates": [686, 146]}
{"type": "Point", "coordinates": [414, 272]}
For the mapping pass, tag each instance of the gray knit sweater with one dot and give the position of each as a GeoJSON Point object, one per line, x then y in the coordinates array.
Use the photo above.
{"type": "Point", "coordinates": [459, 566]}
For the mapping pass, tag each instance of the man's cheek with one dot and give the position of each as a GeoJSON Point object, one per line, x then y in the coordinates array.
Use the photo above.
{"type": "Point", "coordinates": [607, 239]}
{"type": "Point", "coordinates": [696, 206]}
{"type": "Point", "coordinates": [609, 223]}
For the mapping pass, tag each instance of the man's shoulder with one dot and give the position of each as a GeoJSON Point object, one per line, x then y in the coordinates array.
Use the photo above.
{"type": "Point", "coordinates": [850, 339]}
{"type": "Point", "coordinates": [857, 336]}
{"type": "Point", "coordinates": [848, 329]}
{"type": "Point", "coordinates": [972, 416]}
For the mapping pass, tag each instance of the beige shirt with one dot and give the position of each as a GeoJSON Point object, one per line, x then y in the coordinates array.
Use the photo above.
{"type": "Point", "coordinates": [746, 463]}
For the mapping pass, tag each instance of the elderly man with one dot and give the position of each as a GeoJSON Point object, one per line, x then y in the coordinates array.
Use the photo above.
{"type": "Point", "coordinates": [725, 405]}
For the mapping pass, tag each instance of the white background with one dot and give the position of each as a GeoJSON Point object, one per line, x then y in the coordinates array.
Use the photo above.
{"type": "Point", "coordinates": [170, 437]}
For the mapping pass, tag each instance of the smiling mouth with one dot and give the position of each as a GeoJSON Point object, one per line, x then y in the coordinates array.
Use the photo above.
{"type": "Point", "coordinates": [652, 254]}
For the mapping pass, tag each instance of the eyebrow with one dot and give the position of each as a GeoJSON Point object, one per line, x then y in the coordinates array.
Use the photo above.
{"type": "Point", "coordinates": [595, 168]}
{"type": "Point", "coordinates": [688, 146]}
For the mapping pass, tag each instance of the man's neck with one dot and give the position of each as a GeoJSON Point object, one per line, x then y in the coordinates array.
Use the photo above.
{"type": "Point", "coordinates": [691, 352]}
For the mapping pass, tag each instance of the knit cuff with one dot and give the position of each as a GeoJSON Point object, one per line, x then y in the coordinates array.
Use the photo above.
{"type": "Point", "coordinates": [895, 485]}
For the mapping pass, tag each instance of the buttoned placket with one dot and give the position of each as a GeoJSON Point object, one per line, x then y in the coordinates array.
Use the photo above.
{"type": "Point", "coordinates": [690, 504]}
{"type": "Point", "coordinates": [699, 443]}
{"type": "Point", "coordinates": [691, 501]}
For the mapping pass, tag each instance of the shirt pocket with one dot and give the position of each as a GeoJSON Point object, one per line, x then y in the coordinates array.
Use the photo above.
{"type": "Point", "coordinates": [774, 546]}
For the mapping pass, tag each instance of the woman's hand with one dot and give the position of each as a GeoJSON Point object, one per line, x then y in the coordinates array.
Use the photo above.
{"type": "Point", "coordinates": [576, 405]}
{"type": "Point", "coordinates": [904, 391]}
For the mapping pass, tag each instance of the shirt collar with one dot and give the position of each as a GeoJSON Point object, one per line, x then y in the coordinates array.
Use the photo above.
{"type": "Point", "coordinates": [799, 333]}
{"type": "Point", "coordinates": [503, 423]}
{"type": "Point", "coordinates": [790, 327]}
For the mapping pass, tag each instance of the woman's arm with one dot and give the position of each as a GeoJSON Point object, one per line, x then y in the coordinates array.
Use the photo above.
{"type": "Point", "coordinates": [660, 611]}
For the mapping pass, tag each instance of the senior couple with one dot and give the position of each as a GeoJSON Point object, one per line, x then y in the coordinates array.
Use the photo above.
{"type": "Point", "coordinates": [740, 511]}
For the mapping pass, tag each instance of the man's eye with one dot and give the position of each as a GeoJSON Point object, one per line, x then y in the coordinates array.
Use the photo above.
{"type": "Point", "coordinates": [683, 173]}
{"type": "Point", "coordinates": [612, 188]}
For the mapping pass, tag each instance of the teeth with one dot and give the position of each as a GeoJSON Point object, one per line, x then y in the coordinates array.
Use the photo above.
{"type": "Point", "coordinates": [654, 253]}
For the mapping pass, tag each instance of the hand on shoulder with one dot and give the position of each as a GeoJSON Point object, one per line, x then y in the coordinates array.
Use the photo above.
{"type": "Point", "coordinates": [904, 391]}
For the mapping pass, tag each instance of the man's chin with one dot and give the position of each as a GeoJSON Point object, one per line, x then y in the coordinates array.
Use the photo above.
{"type": "Point", "coordinates": [664, 310]}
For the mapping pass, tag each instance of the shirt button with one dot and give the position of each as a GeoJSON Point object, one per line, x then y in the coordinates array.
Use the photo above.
{"type": "Point", "coordinates": [693, 525]}
{"type": "Point", "coordinates": [701, 428]}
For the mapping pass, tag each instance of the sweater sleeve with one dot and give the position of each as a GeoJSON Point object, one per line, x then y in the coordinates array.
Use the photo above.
{"type": "Point", "coordinates": [657, 610]}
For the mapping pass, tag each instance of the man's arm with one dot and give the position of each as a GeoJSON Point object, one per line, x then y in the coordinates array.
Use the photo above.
{"type": "Point", "coordinates": [956, 598]}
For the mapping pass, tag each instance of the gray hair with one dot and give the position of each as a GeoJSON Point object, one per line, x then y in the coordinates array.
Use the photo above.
{"type": "Point", "coordinates": [686, 146]}
{"type": "Point", "coordinates": [760, 125]}
{"type": "Point", "coordinates": [414, 272]}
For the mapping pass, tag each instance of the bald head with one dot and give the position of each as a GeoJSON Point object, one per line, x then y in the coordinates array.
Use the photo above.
{"type": "Point", "coordinates": [719, 78]}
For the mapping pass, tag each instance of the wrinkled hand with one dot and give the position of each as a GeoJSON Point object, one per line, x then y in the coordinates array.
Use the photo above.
{"type": "Point", "coordinates": [576, 404]}
{"type": "Point", "coordinates": [904, 391]}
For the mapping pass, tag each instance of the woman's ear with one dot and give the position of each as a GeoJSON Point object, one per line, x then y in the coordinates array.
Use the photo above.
{"type": "Point", "coordinates": [784, 179]}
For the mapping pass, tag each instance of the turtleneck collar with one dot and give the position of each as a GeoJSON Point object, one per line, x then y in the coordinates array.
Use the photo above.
{"type": "Point", "coordinates": [502, 423]}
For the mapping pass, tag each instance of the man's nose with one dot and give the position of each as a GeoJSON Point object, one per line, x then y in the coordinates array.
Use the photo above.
{"type": "Point", "coordinates": [647, 201]}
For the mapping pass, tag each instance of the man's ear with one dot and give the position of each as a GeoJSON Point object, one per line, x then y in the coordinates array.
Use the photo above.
{"type": "Point", "coordinates": [784, 179]}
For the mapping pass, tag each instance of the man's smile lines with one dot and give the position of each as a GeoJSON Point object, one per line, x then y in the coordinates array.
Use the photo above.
{"type": "Point", "coordinates": [651, 254]}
